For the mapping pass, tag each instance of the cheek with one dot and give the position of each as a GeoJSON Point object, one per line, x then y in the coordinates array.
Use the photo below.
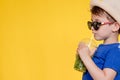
{"type": "Point", "coordinates": [105, 30]}
{"type": "Point", "coordinates": [102, 34]}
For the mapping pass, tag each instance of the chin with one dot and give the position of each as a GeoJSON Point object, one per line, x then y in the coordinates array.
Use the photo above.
{"type": "Point", "coordinates": [98, 38]}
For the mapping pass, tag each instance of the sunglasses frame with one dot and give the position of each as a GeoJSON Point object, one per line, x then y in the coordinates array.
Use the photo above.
{"type": "Point", "coordinates": [96, 25]}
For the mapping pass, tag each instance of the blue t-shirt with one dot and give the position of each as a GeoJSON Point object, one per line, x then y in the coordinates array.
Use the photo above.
{"type": "Point", "coordinates": [106, 56]}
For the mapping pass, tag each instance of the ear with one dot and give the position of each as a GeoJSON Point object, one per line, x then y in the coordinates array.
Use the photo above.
{"type": "Point", "coordinates": [116, 27]}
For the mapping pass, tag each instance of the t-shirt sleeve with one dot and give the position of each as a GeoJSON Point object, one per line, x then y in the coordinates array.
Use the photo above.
{"type": "Point", "coordinates": [112, 60]}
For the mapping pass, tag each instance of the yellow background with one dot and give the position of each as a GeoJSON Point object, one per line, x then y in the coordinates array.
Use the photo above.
{"type": "Point", "coordinates": [38, 38]}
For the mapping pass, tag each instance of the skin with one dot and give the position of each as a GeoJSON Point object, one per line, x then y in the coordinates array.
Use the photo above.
{"type": "Point", "coordinates": [107, 33]}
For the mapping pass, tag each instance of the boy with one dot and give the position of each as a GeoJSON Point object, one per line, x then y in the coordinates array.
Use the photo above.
{"type": "Point", "coordinates": [105, 25]}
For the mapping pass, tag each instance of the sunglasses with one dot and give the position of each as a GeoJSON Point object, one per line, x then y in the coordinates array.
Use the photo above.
{"type": "Point", "coordinates": [96, 25]}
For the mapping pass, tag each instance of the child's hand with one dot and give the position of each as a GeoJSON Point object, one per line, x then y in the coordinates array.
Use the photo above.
{"type": "Point", "coordinates": [83, 50]}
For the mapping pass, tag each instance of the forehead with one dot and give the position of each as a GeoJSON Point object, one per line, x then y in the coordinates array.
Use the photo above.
{"type": "Point", "coordinates": [98, 18]}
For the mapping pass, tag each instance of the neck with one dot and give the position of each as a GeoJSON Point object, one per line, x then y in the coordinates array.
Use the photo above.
{"type": "Point", "coordinates": [110, 40]}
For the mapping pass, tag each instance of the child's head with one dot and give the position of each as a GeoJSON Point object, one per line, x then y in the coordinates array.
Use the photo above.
{"type": "Point", "coordinates": [103, 15]}
{"type": "Point", "coordinates": [97, 11]}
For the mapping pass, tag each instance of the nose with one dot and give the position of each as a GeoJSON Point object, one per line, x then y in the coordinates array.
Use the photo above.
{"type": "Point", "coordinates": [92, 29]}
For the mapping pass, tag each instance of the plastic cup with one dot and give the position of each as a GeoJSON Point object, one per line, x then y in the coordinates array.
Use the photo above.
{"type": "Point", "coordinates": [79, 65]}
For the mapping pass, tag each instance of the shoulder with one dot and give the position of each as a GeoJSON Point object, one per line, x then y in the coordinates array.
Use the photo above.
{"type": "Point", "coordinates": [114, 53]}
{"type": "Point", "coordinates": [113, 58]}
{"type": "Point", "coordinates": [115, 50]}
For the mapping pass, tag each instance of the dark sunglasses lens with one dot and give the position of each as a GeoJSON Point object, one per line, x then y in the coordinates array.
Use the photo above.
{"type": "Point", "coordinates": [96, 25]}
{"type": "Point", "coordinates": [89, 24]}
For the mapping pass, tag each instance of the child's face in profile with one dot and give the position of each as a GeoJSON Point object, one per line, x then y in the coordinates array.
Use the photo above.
{"type": "Point", "coordinates": [105, 29]}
